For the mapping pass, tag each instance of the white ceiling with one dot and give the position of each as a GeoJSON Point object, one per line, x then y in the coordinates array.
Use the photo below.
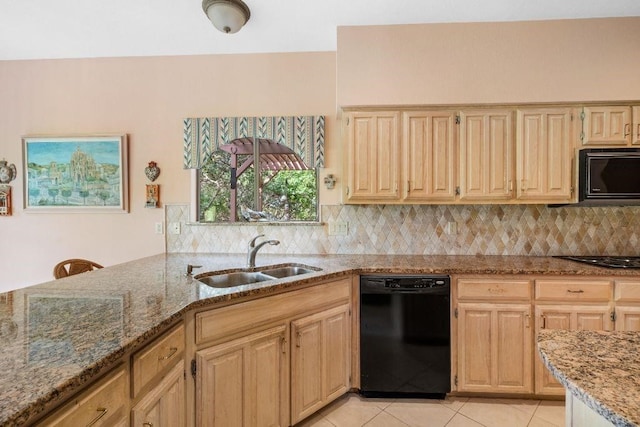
{"type": "Point", "coordinates": [37, 29]}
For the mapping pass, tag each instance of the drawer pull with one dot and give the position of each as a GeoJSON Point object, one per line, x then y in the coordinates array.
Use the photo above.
{"type": "Point", "coordinates": [147, 424]}
{"type": "Point", "coordinates": [579, 291]}
{"type": "Point", "coordinates": [102, 413]}
{"type": "Point", "coordinates": [496, 290]}
{"type": "Point", "coordinates": [172, 351]}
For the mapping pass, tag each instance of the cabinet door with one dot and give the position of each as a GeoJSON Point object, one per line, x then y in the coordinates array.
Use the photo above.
{"type": "Point", "coordinates": [486, 155]}
{"type": "Point", "coordinates": [574, 317]}
{"type": "Point", "coordinates": [628, 318]}
{"type": "Point", "coordinates": [494, 348]}
{"type": "Point", "coordinates": [429, 157]}
{"type": "Point", "coordinates": [244, 382]}
{"type": "Point", "coordinates": [635, 130]}
{"type": "Point", "coordinates": [164, 405]}
{"type": "Point", "coordinates": [373, 156]}
{"type": "Point", "coordinates": [544, 152]}
{"type": "Point", "coordinates": [320, 360]}
{"type": "Point", "coordinates": [606, 125]}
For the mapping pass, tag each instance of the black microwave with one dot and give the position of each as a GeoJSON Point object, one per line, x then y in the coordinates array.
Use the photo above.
{"type": "Point", "coordinates": [609, 175]}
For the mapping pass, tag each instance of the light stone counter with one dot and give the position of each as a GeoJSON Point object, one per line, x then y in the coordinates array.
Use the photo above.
{"type": "Point", "coordinates": [601, 369]}
{"type": "Point", "coordinates": [58, 336]}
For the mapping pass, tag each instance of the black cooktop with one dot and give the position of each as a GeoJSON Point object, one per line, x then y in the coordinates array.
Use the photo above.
{"type": "Point", "coordinates": [607, 261]}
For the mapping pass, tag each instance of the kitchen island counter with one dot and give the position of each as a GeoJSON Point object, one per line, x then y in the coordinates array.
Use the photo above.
{"type": "Point", "coordinates": [601, 369]}
{"type": "Point", "coordinates": [59, 336]}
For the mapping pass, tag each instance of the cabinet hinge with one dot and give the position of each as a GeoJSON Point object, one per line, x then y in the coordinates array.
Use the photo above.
{"type": "Point", "coordinates": [193, 368]}
{"type": "Point", "coordinates": [457, 191]}
{"type": "Point", "coordinates": [613, 316]}
{"type": "Point", "coordinates": [582, 115]}
{"type": "Point", "coordinates": [455, 312]}
{"type": "Point", "coordinates": [347, 190]}
{"type": "Point", "coordinates": [457, 120]}
{"type": "Point", "coordinates": [347, 121]}
{"type": "Point", "coordinates": [582, 136]}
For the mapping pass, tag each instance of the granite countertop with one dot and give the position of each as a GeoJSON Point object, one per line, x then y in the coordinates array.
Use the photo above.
{"type": "Point", "coordinates": [602, 369]}
{"type": "Point", "coordinates": [58, 336]}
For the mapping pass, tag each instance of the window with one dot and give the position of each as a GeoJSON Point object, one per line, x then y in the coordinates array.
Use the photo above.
{"type": "Point", "coordinates": [230, 188]}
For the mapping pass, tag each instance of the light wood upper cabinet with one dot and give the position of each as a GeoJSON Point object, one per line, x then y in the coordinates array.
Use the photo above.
{"type": "Point", "coordinates": [486, 155]}
{"type": "Point", "coordinates": [320, 360]}
{"type": "Point", "coordinates": [608, 125]}
{"type": "Point", "coordinates": [164, 405]}
{"type": "Point", "coordinates": [373, 153]}
{"type": "Point", "coordinates": [635, 130]}
{"type": "Point", "coordinates": [429, 155]}
{"type": "Point", "coordinates": [544, 153]}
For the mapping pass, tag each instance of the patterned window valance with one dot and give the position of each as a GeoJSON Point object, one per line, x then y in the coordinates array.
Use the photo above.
{"type": "Point", "coordinates": [303, 134]}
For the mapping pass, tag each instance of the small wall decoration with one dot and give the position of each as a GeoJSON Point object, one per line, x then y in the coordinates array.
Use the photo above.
{"type": "Point", "coordinates": [152, 171]}
{"type": "Point", "coordinates": [153, 190]}
{"type": "Point", "coordinates": [78, 173]}
{"type": "Point", "coordinates": [153, 196]}
{"type": "Point", "coordinates": [7, 172]}
{"type": "Point", "coordinates": [5, 200]}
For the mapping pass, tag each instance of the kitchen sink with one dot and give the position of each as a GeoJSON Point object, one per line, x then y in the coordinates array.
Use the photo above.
{"type": "Point", "coordinates": [238, 278]}
{"type": "Point", "coordinates": [289, 271]}
{"type": "Point", "coordinates": [229, 280]}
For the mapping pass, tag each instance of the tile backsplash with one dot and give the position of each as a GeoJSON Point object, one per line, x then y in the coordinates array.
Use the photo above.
{"type": "Point", "coordinates": [430, 229]}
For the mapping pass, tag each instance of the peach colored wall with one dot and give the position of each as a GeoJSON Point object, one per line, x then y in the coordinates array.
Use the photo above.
{"type": "Point", "coordinates": [543, 61]}
{"type": "Point", "coordinates": [147, 98]}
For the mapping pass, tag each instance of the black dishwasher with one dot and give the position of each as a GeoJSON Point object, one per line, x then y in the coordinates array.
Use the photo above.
{"type": "Point", "coordinates": [405, 348]}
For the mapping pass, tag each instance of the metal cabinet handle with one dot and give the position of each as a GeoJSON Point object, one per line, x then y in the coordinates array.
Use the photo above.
{"type": "Point", "coordinates": [147, 424]}
{"type": "Point", "coordinates": [283, 344]}
{"type": "Point", "coordinates": [102, 413]}
{"type": "Point", "coordinates": [627, 129]}
{"type": "Point", "coordinates": [579, 291]}
{"type": "Point", "coordinates": [544, 322]}
{"type": "Point", "coordinates": [496, 290]}
{"type": "Point", "coordinates": [298, 336]}
{"type": "Point", "coordinates": [638, 133]}
{"type": "Point", "coordinates": [172, 351]}
{"type": "Point", "coordinates": [527, 321]}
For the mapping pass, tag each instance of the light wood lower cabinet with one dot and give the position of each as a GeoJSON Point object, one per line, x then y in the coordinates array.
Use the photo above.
{"type": "Point", "coordinates": [105, 403]}
{"type": "Point", "coordinates": [273, 361]}
{"type": "Point", "coordinates": [494, 335]}
{"type": "Point", "coordinates": [164, 405]}
{"type": "Point", "coordinates": [627, 309]}
{"type": "Point", "coordinates": [320, 360]}
{"type": "Point", "coordinates": [573, 305]}
{"type": "Point", "coordinates": [244, 382]}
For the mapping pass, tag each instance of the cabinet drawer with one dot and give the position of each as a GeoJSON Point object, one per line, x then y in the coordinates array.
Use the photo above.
{"type": "Point", "coordinates": [104, 403]}
{"type": "Point", "coordinates": [226, 321]}
{"type": "Point", "coordinates": [157, 357]}
{"type": "Point", "coordinates": [492, 289]}
{"type": "Point", "coordinates": [574, 290]}
{"type": "Point", "coordinates": [627, 291]}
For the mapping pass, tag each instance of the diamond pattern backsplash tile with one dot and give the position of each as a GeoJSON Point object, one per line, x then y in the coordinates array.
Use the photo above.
{"type": "Point", "coordinates": [430, 229]}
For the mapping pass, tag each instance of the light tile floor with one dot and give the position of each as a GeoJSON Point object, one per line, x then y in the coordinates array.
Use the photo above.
{"type": "Point", "coordinates": [353, 410]}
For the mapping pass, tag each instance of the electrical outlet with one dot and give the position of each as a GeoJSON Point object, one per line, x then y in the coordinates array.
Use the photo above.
{"type": "Point", "coordinates": [174, 228]}
{"type": "Point", "coordinates": [338, 228]}
{"type": "Point", "coordinates": [159, 228]}
{"type": "Point", "coordinates": [451, 228]}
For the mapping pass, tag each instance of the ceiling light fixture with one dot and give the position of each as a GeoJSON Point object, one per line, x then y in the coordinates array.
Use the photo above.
{"type": "Point", "coordinates": [227, 16]}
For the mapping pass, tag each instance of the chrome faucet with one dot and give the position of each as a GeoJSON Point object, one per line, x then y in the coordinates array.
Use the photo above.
{"type": "Point", "coordinates": [253, 249]}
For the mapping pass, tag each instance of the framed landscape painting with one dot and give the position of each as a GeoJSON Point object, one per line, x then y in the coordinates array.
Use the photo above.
{"type": "Point", "coordinates": [75, 174]}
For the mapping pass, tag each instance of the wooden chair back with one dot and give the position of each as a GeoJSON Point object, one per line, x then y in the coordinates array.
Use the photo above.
{"type": "Point", "coordinates": [70, 267]}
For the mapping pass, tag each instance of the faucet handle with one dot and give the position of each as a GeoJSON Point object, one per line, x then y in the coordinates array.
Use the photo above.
{"type": "Point", "coordinates": [252, 242]}
{"type": "Point", "coordinates": [190, 268]}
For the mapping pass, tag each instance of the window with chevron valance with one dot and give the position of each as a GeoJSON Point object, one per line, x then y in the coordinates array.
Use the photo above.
{"type": "Point", "coordinates": [302, 134]}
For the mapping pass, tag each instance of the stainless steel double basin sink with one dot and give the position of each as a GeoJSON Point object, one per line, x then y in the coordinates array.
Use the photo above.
{"type": "Point", "coordinates": [230, 279]}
